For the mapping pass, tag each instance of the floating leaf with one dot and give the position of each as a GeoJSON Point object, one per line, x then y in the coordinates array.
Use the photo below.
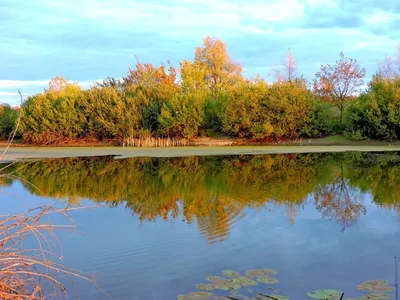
{"type": "Point", "coordinates": [216, 279]}
{"type": "Point", "coordinates": [194, 296]}
{"type": "Point", "coordinates": [253, 273]}
{"type": "Point", "coordinates": [206, 287]}
{"type": "Point", "coordinates": [375, 286]}
{"type": "Point", "coordinates": [324, 294]}
{"type": "Point", "coordinates": [244, 281]}
{"type": "Point", "coordinates": [227, 286]}
{"type": "Point", "coordinates": [373, 296]}
{"type": "Point", "coordinates": [230, 273]}
{"type": "Point", "coordinates": [267, 280]}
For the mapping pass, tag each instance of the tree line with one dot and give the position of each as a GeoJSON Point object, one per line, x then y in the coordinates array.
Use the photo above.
{"type": "Point", "coordinates": [209, 96]}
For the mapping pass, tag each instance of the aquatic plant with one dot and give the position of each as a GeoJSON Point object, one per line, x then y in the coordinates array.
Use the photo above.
{"type": "Point", "coordinates": [373, 296]}
{"type": "Point", "coordinates": [245, 281]}
{"type": "Point", "coordinates": [194, 296]}
{"type": "Point", "coordinates": [226, 286]}
{"type": "Point", "coordinates": [325, 294]}
{"type": "Point", "coordinates": [206, 287]}
{"type": "Point", "coordinates": [253, 273]}
{"type": "Point", "coordinates": [216, 279]}
{"type": "Point", "coordinates": [267, 280]}
{"type": "Point", "coordinates": [375, 286]}
{"type": "Point", "coordinates": [230, 273]}
{"type": "Point", "coordinates": [262, 275]}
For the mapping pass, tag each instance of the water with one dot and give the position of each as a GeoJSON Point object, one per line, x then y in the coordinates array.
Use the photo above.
{"type": "Point", "coordinates": [321, 221]}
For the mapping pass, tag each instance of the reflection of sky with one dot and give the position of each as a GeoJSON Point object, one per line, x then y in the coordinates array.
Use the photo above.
{"type": "Point", "coordinates": [161, 259]}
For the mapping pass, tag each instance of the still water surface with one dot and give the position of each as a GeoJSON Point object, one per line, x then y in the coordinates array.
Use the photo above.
{"type": "Point", "coordinates": [321, 221]}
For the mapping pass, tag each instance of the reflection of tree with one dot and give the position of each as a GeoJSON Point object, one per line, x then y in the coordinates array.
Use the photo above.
{"type": "Point", "coordinates": [214, 191]}
{"type": "Point", "coordinates": [338, 200]}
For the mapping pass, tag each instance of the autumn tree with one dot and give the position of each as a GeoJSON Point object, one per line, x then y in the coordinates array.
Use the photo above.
{"type": "Point", "coordinates": [217, 67]}
{"type": "Point", "coordinates": [153, 87]}
{"type": "Point", "coordinates": [57, 83]}
{"type": "Point", "coordinates": [338, 83]}
{"type": "Point", "coordinates": [289, 71]}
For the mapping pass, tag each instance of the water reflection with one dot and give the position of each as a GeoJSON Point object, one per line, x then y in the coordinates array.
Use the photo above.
{"type": "Point", "coordinates": [214, 191]}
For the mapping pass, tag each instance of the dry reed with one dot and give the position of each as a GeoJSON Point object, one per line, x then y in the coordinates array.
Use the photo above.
{"type": "Point", "coordinates": [154, 142]}
{"type": "Point", "coordinates": [24, 272]}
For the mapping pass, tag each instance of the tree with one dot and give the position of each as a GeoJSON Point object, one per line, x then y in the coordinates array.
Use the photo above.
{"type": "Point", "coordinates": [110, 82]}
{"type": "Point", "coordinates": [338, 83]}
{"type": "Point", "coordinates": [154, 86]}
{"type": "Point", "coordinates": [290, 68]}
{"type": "Point", "coordinates": [220, 72]}
{"type": "Point", "coordinates": [389, 68]}
{"type": "Point", "coordinates": [57, 84]}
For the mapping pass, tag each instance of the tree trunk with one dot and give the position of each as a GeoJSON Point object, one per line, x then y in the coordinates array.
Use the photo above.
{"type": "Point", "coordinates": [341, 111]}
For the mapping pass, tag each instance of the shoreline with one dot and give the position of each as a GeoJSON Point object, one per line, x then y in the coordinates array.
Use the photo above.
{"type": "Point", "coordinates": [27, 153]}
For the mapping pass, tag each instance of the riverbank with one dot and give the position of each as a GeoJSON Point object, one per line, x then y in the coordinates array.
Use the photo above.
{"type": "Point", "coordinates": [336, 140]}
{"type": "Point", "coordinates": [18, 153]}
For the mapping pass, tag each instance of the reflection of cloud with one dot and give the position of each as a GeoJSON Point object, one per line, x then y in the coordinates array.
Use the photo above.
{"type": "Point", "coordinates": [97, 38]}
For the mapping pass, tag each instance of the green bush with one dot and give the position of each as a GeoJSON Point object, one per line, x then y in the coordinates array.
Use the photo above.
{"type": "Point", "coordinates": [376, 113]}
{"type": "Point", "coordinates": [321, 121]}
{"type": "Point", "coordinates": [182, 116]}
{"type": "Point", "coordinates": [8, 118]}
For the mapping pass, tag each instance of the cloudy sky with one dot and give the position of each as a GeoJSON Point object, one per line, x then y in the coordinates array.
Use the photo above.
{"type": "Point", "coordinates": [88, 40]}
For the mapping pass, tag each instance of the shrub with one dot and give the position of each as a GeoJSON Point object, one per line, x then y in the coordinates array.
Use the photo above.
{"type": "Point", "coordinates": [8, 118]}
{"type": "Point", "coordinates": [376, 113]}
{"type": "Point", "coordinates": [320, 122]}
{"type": "Point", "coordinates": [182, 116]}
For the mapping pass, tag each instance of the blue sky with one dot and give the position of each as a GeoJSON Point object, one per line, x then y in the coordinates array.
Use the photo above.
{"type": "Point", "coordinates": [88, 40]}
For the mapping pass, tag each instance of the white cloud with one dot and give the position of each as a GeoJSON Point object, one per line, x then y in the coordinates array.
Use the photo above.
{"type": "Point", "coordinates": [380, 17]}
{"type": "Point", "coordinates": [5, 84]}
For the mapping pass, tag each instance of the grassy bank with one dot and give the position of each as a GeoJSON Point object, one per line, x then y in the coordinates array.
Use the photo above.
{"type": "Point", "coordinates": [17, 153]}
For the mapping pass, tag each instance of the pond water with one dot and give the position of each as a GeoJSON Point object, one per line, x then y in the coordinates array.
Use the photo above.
{"type": "Point", "coordinates": [320, 221]}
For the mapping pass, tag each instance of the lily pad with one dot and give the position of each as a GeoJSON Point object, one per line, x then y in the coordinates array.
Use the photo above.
{"type": "Point", "coordinates": [227, 286]}
{"type": "Point", "coordinates": [253, 273]}
{"type": "Point", "coordinates": [244, 281]}
{"type": "Point", "coordinates": [267, 280]}
{"type": "Point", "coordinates": [216, 279]}
{"type": "Point", "coordinates": [373, 296]}
{"type": "Point", "coordinates": [194, 296]}
{"type": "Point", "coordinates": [324, 294]}
{"type": "Point", "coordinates": [206, 287]}
{"type": "Point", "coordinates": [375, 286]}
{"type": "Point", "coordinates": [230, 274]}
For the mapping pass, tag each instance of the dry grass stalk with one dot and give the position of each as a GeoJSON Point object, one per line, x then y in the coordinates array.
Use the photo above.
{"type": "Point", "coordinates": [25, 272]}
{"type": "Point", "coordinates": [154, 142]}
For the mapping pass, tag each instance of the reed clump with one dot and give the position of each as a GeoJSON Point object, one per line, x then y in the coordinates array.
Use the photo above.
{"type": "Point", "coordinates": [150, 142]}
{"type": "Point", "coordinates": [29, 272]}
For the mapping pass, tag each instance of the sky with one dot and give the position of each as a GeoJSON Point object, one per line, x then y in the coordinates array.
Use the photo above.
{"type": "Point", "coordinates": [87, 40]}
